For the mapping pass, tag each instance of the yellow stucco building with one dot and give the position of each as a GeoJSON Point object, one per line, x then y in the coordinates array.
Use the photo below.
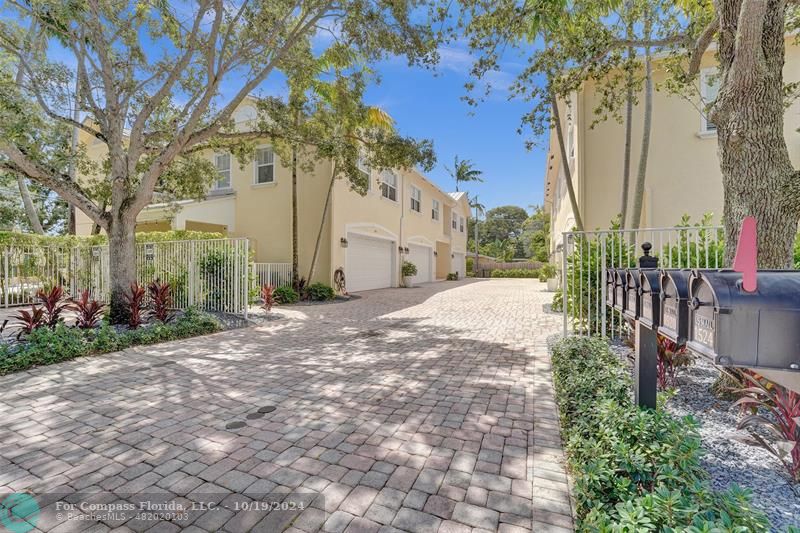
{"type": "Point", "coordinates": [403, 217]}
{"type": "Point", "coordinates": [683, 174]}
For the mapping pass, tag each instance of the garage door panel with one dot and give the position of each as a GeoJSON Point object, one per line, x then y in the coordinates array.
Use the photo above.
{"type": "Point", "coordinates": [421, 257]}
{"type": "Point", "coordinates": [369, 263]}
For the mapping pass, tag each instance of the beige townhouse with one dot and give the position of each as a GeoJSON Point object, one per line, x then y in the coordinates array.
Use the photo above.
{"type": "Point", "coordinates": [403, 217]}
{"type": "Point", "coordinates": [683, 174]}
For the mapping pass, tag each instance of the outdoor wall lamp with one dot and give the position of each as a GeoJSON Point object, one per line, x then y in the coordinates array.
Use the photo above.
{"type": "Point", "coordinates": [405, 250]}
{"type": "Point", "coordinates": [343, 242]}
{"type": "Point", "coordinates": [435, 253]}
{"type": "Point", "coordinates": [452, 256]}
{"type": "Point", "coordinates": [400, 249]}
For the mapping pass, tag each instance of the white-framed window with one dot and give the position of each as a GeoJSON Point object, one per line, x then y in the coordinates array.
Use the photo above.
{"type": "Point", "coordinates": [223, 164]}
{"type": "Point", "coordinates": [454, 221]}
{"type": "Point", "coordinates": [461, 224]}
{"type": "Point", "coordinates": [264, 165]}
{"type": "Point", "coordinates": [709, 89]}
{"type": "Point", "coordinates": [389, 185]}
{"type": "Point", "coordinates": [416, 199]}
{"type": "Point", "coordinates": [364, 169]}
{"type": "Point", "coordinates": [435, 210]}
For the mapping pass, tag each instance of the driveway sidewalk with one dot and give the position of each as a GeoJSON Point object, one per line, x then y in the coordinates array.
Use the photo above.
{"type": "Point", "coordinates": [425, 409]}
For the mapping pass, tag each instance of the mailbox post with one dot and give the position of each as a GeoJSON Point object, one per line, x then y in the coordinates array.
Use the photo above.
{"type": "Point", "coordinates": [640, 307]}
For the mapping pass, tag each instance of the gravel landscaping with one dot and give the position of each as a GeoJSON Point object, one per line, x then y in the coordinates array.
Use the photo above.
{"type": "Point", "coordinates": [732, 456]}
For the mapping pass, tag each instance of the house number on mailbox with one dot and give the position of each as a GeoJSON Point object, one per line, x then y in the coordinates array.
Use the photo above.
{"type": "Point", "coordinates": [703, 330]}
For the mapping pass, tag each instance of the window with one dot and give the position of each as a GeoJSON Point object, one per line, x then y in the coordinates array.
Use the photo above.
{"type": "Point", "coordinates": [709, 89]}
{"type": "Point", "coordinates": [416, 199]}
{"type": "Point", "coordinates": [365, 171]}
{"type": "Point", "coordinates": [389, 185]}
{"type": "Point", "coordinates": [461, 224]}
{"type": "Point", "coordinates": [223, 164]}
{"type": "Point", "coordinates": [265, 165]}
{"type": "Point", "coordinates": [435, 210]}
{"type": "Point", "coordinates": [454, 221]}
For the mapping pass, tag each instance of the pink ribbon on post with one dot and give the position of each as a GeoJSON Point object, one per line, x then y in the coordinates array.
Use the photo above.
{"type": "Point", "coordinates": [747, 254]}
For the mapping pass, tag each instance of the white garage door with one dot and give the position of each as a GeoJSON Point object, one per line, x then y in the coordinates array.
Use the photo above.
{"type": "Point", "coordinates": [459, 264]}
{"type": "Point", "coordinates": [421, 257]}
{"type": "Point", "coordinates": [369, 263]}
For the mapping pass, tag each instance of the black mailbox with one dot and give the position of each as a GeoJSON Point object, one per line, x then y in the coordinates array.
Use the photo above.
{"type": "Point", "coordinates": [620, 278]}
{"type": "Point", "coordinates": [631, 307]}
{"type": "Point", "coordinates": [674, 309]}
{"type": "Point", "coordinates": [733, 327]}
{"type": "Point", "coordinates": [610, 275]}
{"type": "Point", "coordinates": [650, 298]}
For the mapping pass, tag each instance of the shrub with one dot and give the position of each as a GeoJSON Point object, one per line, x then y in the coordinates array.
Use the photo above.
{"type": "Point", "coordinates": [319, 292]}
{"type": "Point", "coordinates": [53, 303]}
{"type": "Point", "coordinates": [409, 269]}
{"type": "Point", "coordinates": [634, 469]}
{"type": "Point", "coordinates": [452, 276]}
{"type": "Point", "coordinates": [783, 405]}
{"type": "Point", "coordinates": [46, 346]}
{"type": "Point", "coordinates": [29, 320]}
{"type": "Point", "coordinates": [286, 295]}
{"type": "Point", "coordinates": [671, 358]}
{"type": "Point", "coordinates": [547, 271]}
{"type": "Point", "coordinates": [89, 311]}
{"type": "Point", "coordinates": [515, 273]}
{"type": "Point", "coordinates": [267, 297]}
{"type": "Point", "coordinates": [135, 298]}
{"type": "Point", "coordinates": [161, 300]}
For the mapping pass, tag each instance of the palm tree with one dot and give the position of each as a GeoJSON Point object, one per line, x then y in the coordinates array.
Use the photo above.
{"type": "Point", "coordinates": [463, 171]}
{"type": "Point", "coordinates": [479, 210]}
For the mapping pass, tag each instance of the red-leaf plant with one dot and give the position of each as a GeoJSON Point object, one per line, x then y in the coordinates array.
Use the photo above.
{"type": "Point", "coordinates": [267, 297]}
{"type": "Point", "coordinates": [89, 311]}
{"type": "Point", "coordinates": [29, 320]}
{"type": "Point", "coordinates": [53, 303]}
{"type": "Point", "coordinates": [135, 306]}
{"type": "Point", "coordinates": [783, 408]}
{"type": "Point", "coordinates": [671, 357]}
{"type": "Point", "coordinates": [161, 300]}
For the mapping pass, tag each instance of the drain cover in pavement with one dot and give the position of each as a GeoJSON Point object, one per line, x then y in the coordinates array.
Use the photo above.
{"type": "Point", "coordinates": [235, 425]}
{"type": "Point", "coordinates": [266, 409]}
{"type": "Point", "coordinates": [253, 416]}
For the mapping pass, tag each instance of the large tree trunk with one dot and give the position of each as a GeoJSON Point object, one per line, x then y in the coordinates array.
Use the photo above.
{"type": "Point", "coordinates": [565, 160]}
{"type": "Point", "coordinates": [757, 175]}
{"type": "Point", "coordinates": [312, 270]}
{"type": "Point", "coordinates": [121, 264]}
{"type": "Point", "coordinates": [641, 175]}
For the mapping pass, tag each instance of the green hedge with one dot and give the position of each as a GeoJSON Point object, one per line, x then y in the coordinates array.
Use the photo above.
{"type": "Point", "coordinates": [635, 469]}
{"type": "Point", "coordinates": [515, 273]}
{"type": "Point", "coordinates": [31, 239]}
{"type": "Point", "coordinates": [45, 346]}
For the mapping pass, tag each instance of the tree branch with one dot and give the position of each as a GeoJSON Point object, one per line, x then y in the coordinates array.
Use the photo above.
{"type": "Point", "coordinates": [60, 183]}
{"type": "Point", "coordinates": [701, 45]}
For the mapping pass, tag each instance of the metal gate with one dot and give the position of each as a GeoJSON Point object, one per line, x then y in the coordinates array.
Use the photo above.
{"type": "Point", "coordinates": [585, 256]}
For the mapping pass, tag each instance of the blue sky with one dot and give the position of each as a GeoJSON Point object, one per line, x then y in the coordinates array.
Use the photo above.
{"type": "Point", "coordinates": [428, 105]}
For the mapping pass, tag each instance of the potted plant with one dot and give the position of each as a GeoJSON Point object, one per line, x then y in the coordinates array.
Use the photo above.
{"type": "Point", "coordinates": [547, 274]}
{"type": "Point", "coordinates": [409, 270]}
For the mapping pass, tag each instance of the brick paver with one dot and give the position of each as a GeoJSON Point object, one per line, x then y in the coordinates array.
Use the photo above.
{"type": "Point", "coordinates": [425, 409]}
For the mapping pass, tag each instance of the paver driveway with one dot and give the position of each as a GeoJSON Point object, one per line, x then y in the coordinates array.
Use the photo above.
{"type": "Point", "coordinates": [425, 409]}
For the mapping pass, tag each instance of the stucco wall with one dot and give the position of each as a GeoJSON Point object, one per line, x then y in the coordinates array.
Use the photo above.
{"type": "Point", "coordinates": [683, 174]}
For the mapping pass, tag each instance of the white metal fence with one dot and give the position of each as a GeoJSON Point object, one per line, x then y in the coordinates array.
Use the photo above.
{"type": "Point", "coordinates": [212, 275]}
{"type": "Point", "coordinates": [587, 254]}
{"type": "Point", "coordinates": [275, 274]}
